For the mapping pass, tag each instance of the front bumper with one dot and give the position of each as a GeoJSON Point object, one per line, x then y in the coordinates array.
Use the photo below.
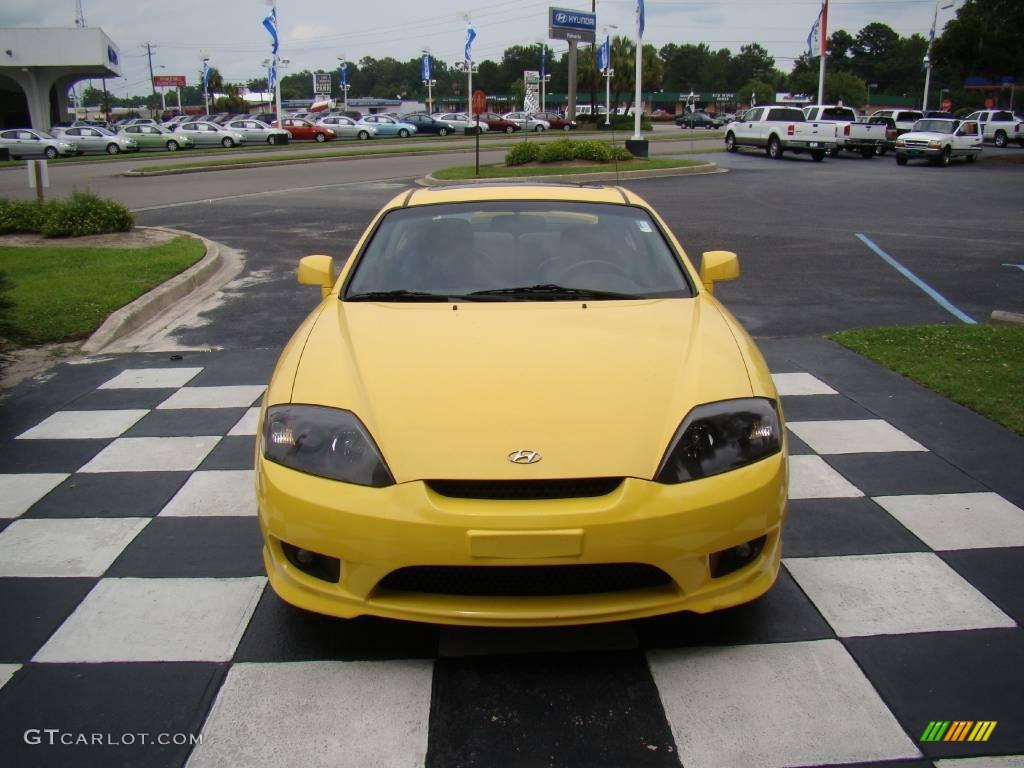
{"type": "Point", "coordinates": [929, 152]}
{"type": "Point", "coordinates": [376, 531]}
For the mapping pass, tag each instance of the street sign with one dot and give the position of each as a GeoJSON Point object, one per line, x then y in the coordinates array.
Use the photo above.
{"type": "Point", "coordinates": [947, 105]}
{"type": "Point", "coordinates": [570, 24]}
{"type": "Point", "coordinates": [531, 95]}
{"type": "Point", "coordinates": [322, 83]}
{"type": "Point", "coordinates": [479, 101]}
{"type": "Point", "coordinates": [169, 81]}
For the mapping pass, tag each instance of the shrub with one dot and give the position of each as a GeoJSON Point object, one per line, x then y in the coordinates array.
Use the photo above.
{"type": "Point", "coordinates": [22, 216]}
{"type": "Point", "coordinates": [558, 150]}
{"type": "Point", "coordinates": [522, 153]}
{"type": "Point", "coordinates": [85, 214]}
{"type": "Point", "coordinates": [598, 151]}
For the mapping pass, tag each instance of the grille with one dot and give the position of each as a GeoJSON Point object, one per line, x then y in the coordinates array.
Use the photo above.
{"type": "Point", "coordinates": [524, 580]}
{"type": "Point", "coordinates": [915, 143]}
{"type": "Point", "coordinates": [525, 490]}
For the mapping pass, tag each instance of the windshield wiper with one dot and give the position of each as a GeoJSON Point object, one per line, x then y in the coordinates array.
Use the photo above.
{"type": "Point", "coordinates": [552, 292]}
{"type": "Point", "coordinates": [400, 294]}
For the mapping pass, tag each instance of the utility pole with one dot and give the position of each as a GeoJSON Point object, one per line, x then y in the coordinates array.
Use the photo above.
{"type": "Point", "coordinates": [152, 83]}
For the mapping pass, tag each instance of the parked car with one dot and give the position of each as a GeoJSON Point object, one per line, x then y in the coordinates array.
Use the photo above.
{"type": "Point", "coordinates": [891, 133]}
{"type": "Point", "coordinates": [265, 117]}
{"type": "Point", "coordinates": [354, 114]}
{"type": "Point", "coordinates": [346, 127]}
{"type": "Point", "coordinates": [303, 129]}
{"type": "Point", "coordinates": [526, 121]}
{"type": "Point", "coordinates": [100, 140]}
{"type": "Point", "coordinates": [940, 141]}
{"type": "Point", "coordinates": [428, 124]}
{"type": "Point", "coordinates": [1000, 126]}
{"type": "Point", "coordinates": [904, 118]}
{"type": "Point", "coordinates": [851, 133]}
{"type": "Point", "coordinates": [497, 123]}
{"type": "Point", "coordinates": [555, 120]}
{"type": "Point", "coordinates": [256, 131]}
{"type": "Point", "coordinates": [781, 129]}
{"type": "Point", "coordinates": [593, 494]}
{"type": "Point", "coordinates": [152, 137]}
{"type": "Point", "coordinates": [207, 134]}
{"type": "Point", "coordinates": [28, 142]}
{"type": "Point", "coordinates": [460, 121]}
{"type": "Point", "coordinates": [697, 120]}
{"type": "Point", "coordinates": [178, 120]}
{"type": "Point", "coordinates": [142, 121]}
{"type": "Point", "coordinates": [389, 126]}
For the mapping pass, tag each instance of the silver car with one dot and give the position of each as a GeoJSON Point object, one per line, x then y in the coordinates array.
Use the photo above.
{"type": "Point", "coordinates": [27, 142]}
{"type": "Point", "coordinates": [527, 122]}
{"type": "Point", "coordinates": [205, 134]}
{"type": "Point", "coordinates": [258, 131]}
{"type": "Point", "coordinates": [347, 127]}
{"type": "Point", "coordinates": [91, 139]}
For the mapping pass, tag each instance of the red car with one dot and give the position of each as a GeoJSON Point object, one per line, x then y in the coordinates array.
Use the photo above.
{"type": "Point", "coordinates": [300, 128]}
{"type": "Point", "coordinates": [496, 122]}
{"type": "Point", "coordinates": [558, 122]}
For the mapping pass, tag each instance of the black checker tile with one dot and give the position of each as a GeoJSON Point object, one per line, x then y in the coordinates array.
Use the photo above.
{"type": "Point", "coordinates": [4, 524]}
{"type": "Point", "coordinates": [823, 527]}
{"type": "Point", "coordinates": [235, 452]}
{"type": "Point", "coordinates": [952, 676]}
{"type": "Point", "coordinates": [49, 455]}
{"type": "Point", "coordinates": [784, 614]}
{"type": "Point", "coordinates": [281, 632]}
{"type": "Point", "coordinates": [902, 473]}
{"type": "Point", "coordinates": [819, 407]}
{"type": "Point", "coordinates": [797, 447]}
{"type": "Point", "coordinates": [110, 494]}
{"type": "Point", "coordinates": [997, 573]}
{"type": "Point", "coordinates": [120, 399]}
{"type": "Point", "coordinates": [32, 609]}
{"type": "Point", "coordinates": [186, 422]}
{"type": "Point", "coordinates": [193, 547]}
{"type": "Point", "coordinates": [883, 764]}
{"type": "Point", "coordinates": [558, 710]}
{"type": "Point", "coordinates": [225, 369]}
{"type": "Point", "coordinates": [122, 700]}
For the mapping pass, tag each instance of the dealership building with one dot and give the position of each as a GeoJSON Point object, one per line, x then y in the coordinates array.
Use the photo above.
{"type": "Point", "coordinates": [39, 66]}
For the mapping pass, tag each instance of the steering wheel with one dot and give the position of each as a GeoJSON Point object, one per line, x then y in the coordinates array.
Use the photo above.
{"type": "Point", "coordinates": [607, 265]}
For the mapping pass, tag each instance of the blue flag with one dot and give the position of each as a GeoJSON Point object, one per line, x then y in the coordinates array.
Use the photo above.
{"type": "Point", "coordinates": [602, 54]}
{"type": "Point", "coordinates": [344, 73]}
{"type": "Point", "coordinates": [272, 74]}
{"type": "Point", "coordinates": [206, 73]}
{"type": "Point", "coordinates": [470, 37]}
{"type": "Point", "coordinates": [543, 61]}
{"type": "Point", "coordinates": [425, 69]}
{"type": "Point", "coordinates": [640, 19]}
{"type": "Point", "coordinates": [271, 24]}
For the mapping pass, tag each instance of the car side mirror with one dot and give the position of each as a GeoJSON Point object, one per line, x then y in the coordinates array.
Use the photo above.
{"type": "Point", "coordinates": [718, 266]}
{"type": "Point", "coordinates": [317, 270]}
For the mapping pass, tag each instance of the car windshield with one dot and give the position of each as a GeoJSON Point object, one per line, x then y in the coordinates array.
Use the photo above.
{"type": "Point", "coordinates": [517, 251]}
{"type": "Point", "coordinates": [935, 126]}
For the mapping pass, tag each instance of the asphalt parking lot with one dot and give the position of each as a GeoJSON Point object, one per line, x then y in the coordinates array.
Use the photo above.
{"type": "Point", "coordinates": [899, 602]}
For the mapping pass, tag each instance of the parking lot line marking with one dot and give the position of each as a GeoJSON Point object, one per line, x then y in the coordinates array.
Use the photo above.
{"type": "Point", "coordinates": [939, 299]}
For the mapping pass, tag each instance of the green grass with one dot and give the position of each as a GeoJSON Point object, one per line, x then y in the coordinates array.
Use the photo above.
{"type": "Point", "coordinates": [65, 293]}
{"type": "Point", "coordinates": [978, 366]}
{"type": "Point", "coordinates": [459, 172]}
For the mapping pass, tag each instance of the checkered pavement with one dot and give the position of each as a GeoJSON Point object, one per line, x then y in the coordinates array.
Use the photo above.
{"type": "Point", "coordinates": [133, 601]}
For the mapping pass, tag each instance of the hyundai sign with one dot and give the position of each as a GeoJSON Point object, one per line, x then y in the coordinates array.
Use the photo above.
{"type": "Point", "coordinates": [570, 24]}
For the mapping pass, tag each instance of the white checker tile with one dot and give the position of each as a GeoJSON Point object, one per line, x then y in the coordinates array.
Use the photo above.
{"type": "Point", "coordinates": [152, 454]}
{"type": "Point", "coordinates": [354, 714]}
{"type": "Point", "coordinates": [774, 705]}
{"type": "Point", "coordinates": [152, 378]}
{"type": "Point", "coordinates": [247, 424]}
{"type": "Point", "coordinates": [1006, 761]}
{"type": "Point", "coordinates": [810, 477]}
{"type": "Point", "coordinates": [80, 425]}
{"type": "Point", "coordinates": [214, 493]}
{"type": "Point", "coordinates": [800, 384]}
{"type": "Point", "coordinates": [213, 397]}
{"type": "Point", "coordinates": [959, 520]}
{"type": "Point", "coordinates": [853, 436]}
{"type": "Point", "coordinates": [156, 620]}
{"type": "Point", "coordinates": [893, 594]}
{"type": "Point", "coordinates": [6, 672]}
{"type": "Point", "coordinates": [76, 547]}
{"type": "Point", "coordinates": [19, 492]}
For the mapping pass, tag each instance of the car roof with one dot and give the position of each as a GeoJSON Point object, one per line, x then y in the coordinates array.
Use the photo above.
{"type": "Point", "coordinates": [475, 193]}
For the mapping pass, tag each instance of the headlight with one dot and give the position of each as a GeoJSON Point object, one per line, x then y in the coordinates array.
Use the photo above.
{"type": "Point", "coordinates": [327, 442]}
{"type": "Point", "coordinates": [717, 437]}
{"type": "Point", "coordinates": [935, 144]}
{"type": "Point", "coordinates": [900, 142]}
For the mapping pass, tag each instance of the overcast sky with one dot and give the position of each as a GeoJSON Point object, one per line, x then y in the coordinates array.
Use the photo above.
{"type": "Point", "coordinates": [314, 33]}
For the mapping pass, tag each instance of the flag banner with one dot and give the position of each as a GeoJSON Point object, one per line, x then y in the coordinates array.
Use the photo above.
{"type": "Point", "coordinates": [640, 19]}
{"type": "Point", "coordinates": [602, 55]}
{"type": "Point", "coordinates": [470, 37]}
{"type": "Point", "coordinates": [272, 75]}
{"type": "Point", "coordinates": [425, 69]}
{"type": "Point", "coordinates": [543, 61]}
{"type": "Point", "coordinates": [344, 73]}
{"type": "Point", "coordinates": [271, 24]}
{"type": "Point", "coordinates": [206, 73]}
{"type": "Point", "coordinates": [814, 41]}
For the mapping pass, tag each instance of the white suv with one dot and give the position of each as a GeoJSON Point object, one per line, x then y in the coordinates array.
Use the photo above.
{"type": "Point", "coordinates": [1000, 126]}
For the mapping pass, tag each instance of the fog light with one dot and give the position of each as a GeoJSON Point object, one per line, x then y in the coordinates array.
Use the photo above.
{"type": "Point", "coordinates": [323, 567]}
{"type": "Point", "coordinates": [729, 560]}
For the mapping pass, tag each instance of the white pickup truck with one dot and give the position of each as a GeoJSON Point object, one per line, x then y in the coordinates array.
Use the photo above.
{"type": "Point", "coordinates": [865, 138]}
{"type": "Point", "coordinates": [939, 140]}
{"type": "Point", "coordinates": [778, 130]}
{"type": "Point", "coordinates": [999, 126]}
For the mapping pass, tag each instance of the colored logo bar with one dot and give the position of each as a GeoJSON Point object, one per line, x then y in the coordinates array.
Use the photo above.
{"type": "Point", "coordinates": [958, 730]}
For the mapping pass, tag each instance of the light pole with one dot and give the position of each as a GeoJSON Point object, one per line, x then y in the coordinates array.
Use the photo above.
{"type": "Point", "coordinates": [545, 78]}
{"type": "Point", "coordinates": [870, 86]}
{"type": "Point", "coordinates": [608, 71]}
{"type": "Point", "coordinates": [928, 54]}
{"type": "Point", "coordinates": [344, 80]}
{"type": "Point", "coordinates": [427, 81]}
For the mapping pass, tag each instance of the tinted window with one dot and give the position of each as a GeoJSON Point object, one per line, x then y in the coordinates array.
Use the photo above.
{"type": "Point", "coordinates": [459, 249]}
{"type": "Point", "coordinates": [838, 113]}
{"type": "Point", "coordinates": [789, 114]}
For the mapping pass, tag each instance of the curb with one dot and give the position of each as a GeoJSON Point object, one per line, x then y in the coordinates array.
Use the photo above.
{"type": "Point", "coordinates": [1001, 317]}
{"type": "Point", "coordinates": [198, 280]}
{"type": "Point", "coordinates": [581, 178]}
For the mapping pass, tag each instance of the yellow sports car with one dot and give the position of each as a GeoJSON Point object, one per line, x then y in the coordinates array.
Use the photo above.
{"type": "Point", "coordinates": [520, 406]}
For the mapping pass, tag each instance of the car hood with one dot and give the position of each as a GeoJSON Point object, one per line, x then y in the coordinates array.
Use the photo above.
{"type": "Point", "coordinates": [448, 391]}
{"type": "Point", "coordinates": [925, 135]}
